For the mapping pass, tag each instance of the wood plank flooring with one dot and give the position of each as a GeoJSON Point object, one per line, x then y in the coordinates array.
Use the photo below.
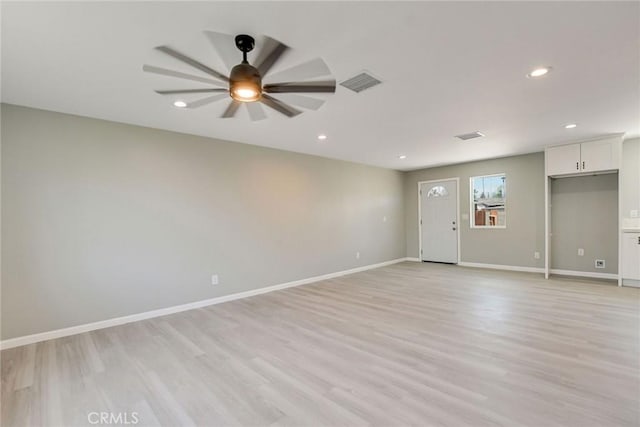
{"type": "Point", "coordinates": [409, 344]}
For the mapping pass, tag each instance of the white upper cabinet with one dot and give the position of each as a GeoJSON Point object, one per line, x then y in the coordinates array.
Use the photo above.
{"type": "Point", "coordinates": [587, 157]}
{"type": "Point", "coordinates": [599, 155]}
{"type": "Point", "coordinates": [564, 159]}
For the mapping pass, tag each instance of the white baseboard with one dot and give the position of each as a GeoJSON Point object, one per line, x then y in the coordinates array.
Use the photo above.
{"type": "Point", "coordinates": [502, 267]}
{"type": "Point", "coordinates": [413, 259]}
{"type": "Point", "coordinates": [631, 282]}
{"type": "Point", "coordinates": [611, 276]}
{"type": "Point", "coordinates": [73, 330]}
{"type": "Point", "coordinates": [592, 275]}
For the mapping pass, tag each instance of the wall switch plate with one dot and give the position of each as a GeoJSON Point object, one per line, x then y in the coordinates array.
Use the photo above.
{"type": "Point", "coordinates": [536, 255]}
{"type": "Point", "coordinates": [214, 279]}
{"type": "Point", "coordinates": [633, 213]}
{"type": "Point", "coordinates": [599, 263]}
{"type": "Point", "coordinates": [580, 252]}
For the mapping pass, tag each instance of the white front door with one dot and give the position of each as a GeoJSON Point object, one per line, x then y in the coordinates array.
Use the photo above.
{"type": "Point", "coordinates": [439, 221]}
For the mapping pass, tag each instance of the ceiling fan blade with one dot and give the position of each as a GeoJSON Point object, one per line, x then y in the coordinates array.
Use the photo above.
{"type": "Point", "coordinates": [231, 109]}
{"type": "Point", "coordinates": [178, 74]}
{"type": "Point", "coordinates": [177, 91]}
{"type": "Point", "coordinates": [225, 47]}
{"type": "Point", "coordinates": [302, 101]}
{"type": "Point", "coordinates": [190, 61]}
{"type": "Point", "coordinates": [256, 112]}
{"type": "Point", "coordinates": [307, 70]}
{"type": "Point", "coordinates": [269, 55]}
{"type": "Point", "coordinates": [279, 106]}
{"type": "Point", "coordinates": [207, 100]}
{"type": "Point", "coordinates": [304, 87]}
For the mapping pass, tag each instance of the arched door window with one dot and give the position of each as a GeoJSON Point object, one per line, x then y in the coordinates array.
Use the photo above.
{"type": "Point", "coordinates": [437, 191]}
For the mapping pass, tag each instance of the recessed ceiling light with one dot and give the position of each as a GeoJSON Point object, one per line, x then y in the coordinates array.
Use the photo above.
{"type": "Point", "coordinates": [570, 126]}
{"type": "Point", "coordinates": [402, 157]}
{"type": "Point", "coordinates": [180, 104]}
{"type": "Point", "coordinates": [322, 137]}
{"type": "Point", "coordinates": [539, 72]}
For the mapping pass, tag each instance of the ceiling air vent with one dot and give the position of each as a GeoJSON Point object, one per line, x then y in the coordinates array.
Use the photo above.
{"type": "Point", "coordinates": [467, 136]}
{"type": "Point", "coordinates": [360, 82]}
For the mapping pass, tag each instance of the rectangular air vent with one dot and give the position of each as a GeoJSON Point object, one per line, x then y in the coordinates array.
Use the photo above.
{"type": "Point", "coordinates": [360, 82]}
{"type": "Point", "coordinates": [467, 136]}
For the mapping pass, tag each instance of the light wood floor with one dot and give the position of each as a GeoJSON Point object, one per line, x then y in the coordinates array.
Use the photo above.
{"type": "Point", "coordinates": [408, 344]}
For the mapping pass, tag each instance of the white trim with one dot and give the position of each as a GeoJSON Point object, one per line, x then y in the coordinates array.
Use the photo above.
{"type": "Point", "coordinates": [457, 180]}
{"type": "Point", "coordinates": [612, 136]}
{"type": "Point", "coordinates": [413, 259]}
{"type": "Point", "coordinates": [73, 330]}
{"type": "Point", "coordinates": [611, 276]}
{"type": "Point", "coordinates": [631, 282]}
{"type": "Point", "coordinates": [620, 211]}
{"type": "Point", "coordinates": [547, 219]}
{"type": "Point", "coordinates": [502, 267]}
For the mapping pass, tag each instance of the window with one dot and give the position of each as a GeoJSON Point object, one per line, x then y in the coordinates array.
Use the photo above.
{"type": "Point", "coordinates": [437, 191]}
{"type": "Point", "coordinates": [488, 201]}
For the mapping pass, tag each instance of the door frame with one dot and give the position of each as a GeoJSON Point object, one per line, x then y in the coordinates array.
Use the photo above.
{"type": "Point", "coordinates": [457, 180]}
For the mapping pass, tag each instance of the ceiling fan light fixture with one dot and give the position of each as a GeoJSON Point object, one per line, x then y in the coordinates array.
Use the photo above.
{"type": "Point", "coordinates": [246, 94]}
{"type": "Point", "coordinates": [245, 84]}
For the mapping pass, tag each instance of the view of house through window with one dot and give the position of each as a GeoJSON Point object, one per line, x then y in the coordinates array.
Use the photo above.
{"type": "Point", "coordinates": [488, 197]}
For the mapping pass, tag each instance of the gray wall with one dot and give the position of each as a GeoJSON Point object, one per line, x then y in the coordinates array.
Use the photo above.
{"type": "Point", "coordinates": [584, 214]}
{"type": "Point", "coordinates": [101, 219]}
{"type": "Point", "coordinates": [630, 181]}
{"type": "Point", "coordinates": [524, 235]}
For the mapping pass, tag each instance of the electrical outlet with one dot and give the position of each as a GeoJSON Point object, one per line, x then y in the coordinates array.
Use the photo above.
{"type": "Point", "coordinates": [214, 279]}
{"type": "Point", "coordinates": [580, 252]}
{"type": "Point", "coordinates": [357, 255]}
{"type": "Point", "coordinates": [599, 263]}
{"type": "Point", "coordinates": [536, 255]}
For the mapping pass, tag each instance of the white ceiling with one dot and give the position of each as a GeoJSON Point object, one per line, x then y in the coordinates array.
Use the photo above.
{"type": "Point", "coordinates": [447, 69]}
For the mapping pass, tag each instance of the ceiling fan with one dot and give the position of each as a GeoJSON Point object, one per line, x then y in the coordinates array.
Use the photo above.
{"type": "Point", "coordinates": [244, 84]}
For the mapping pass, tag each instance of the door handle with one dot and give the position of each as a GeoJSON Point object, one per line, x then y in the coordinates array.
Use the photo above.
{"type": "Point", "coordinates": [453, 222]}
{"type": "Point", "coordinates": [639, 240]}
{"type": "Point", "coordinates": [577, 165]}
{"type": "Point", "coordinates": [454, 229]}
{"type": "Point", "coordinates": [583, 165]}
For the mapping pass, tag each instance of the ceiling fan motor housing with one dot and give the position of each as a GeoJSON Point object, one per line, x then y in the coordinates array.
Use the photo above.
{"type": "Point", "coordinates": [245, 83]}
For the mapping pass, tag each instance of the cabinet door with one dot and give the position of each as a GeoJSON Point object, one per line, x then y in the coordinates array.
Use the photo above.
{"type": "Point", "coordinates": [564, 159]}
{"type": "Point", "coordinates": [598, 156]}
{"type": "Point", "coordinates": [631, 256]}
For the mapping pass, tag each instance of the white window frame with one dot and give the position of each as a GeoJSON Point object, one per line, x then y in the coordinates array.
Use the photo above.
{"type": "Point", "coordinates": [472, 214]}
